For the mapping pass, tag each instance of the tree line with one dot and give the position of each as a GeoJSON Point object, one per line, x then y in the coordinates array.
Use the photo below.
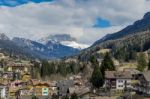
{"type": "Point", "coordinates": [98, 75]}
{"type": "Point", "coordinates": [46, 68]}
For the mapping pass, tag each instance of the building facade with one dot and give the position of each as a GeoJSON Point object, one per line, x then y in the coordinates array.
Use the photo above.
{"type": "Point", "coordinates": [3, 92]}
{"type": "Point", "coordinates": [118, 81]}
{"type": "Point", "coordinates": [144, 83]}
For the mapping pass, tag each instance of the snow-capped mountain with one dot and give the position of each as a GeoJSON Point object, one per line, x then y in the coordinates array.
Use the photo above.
{"type": "Point", "coordinates": [50, 50]}
{"type": "Point", "coordinates": [29, 44]}
{"type": "Point", "coordinates": [56, 38]}
{"type": "Point", "coordinates": [64, 39]}
{"type": "Point", "coordinates": [74, 44]}
{"type": "Point", "coordinates": [3, 37]}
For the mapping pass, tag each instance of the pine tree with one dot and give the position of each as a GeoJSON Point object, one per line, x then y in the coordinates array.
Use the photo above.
{"type": "Point", "coordinates": [97, 78]}
{"type": "Point", "coordinates": [62, 69]}
{"type": "Point", "coordinates": [65, 97]}
{"type": "Point", "coordinates": [74, 68]}
{"type": "Point", "coordinates": [107, 64]}
{"type": "Point", "coordinates": [149, 65]}
{"type": "Point", "coordinates": [74, 96]}
{"type": "Point", "coordinates": [142, 63]}
{"type": "Point", "coordinates": [34, 97]}
{"type": "Point", "coordinates": [47, 68]}
{"type": "Point", "coordinates": [93, 60]}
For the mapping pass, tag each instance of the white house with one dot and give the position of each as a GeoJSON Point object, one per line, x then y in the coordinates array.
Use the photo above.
{"type": "Point", "coordinates": [3, 92]}
{"type": "Point", "coordinates": [118, 80]}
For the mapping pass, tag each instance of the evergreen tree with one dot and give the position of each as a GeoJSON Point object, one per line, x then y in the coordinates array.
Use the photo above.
{"type": "Point", "coordinates": [142, 63]}
{"type": "Point", "coordinates": [125, 53]}
{"type": "Point", "coordinates": [93, 60]}
{"type": "Point", "coordinates": [47, 68]}
{"type": "Point", "coordinates": [107, 64]}
{"type": "Point", "coordinates": [74, 96]}
{"type": "Point", "coordinates": [65, 97]}
{"type": "Point", "coordinates": [54, 96]}
{"type": "Point", "coordinates": [149, 65]}
{"type": "Point", "coordinates": [34, 97]}
{"type": "Point", "coordinates": [74, 68]}
{"type": "Point", "coordinates": [51, 68]}
{"type": "Point", "coordinates": [35, 70]}
{"type": "Point", "coordinates": [62, 69]}
{"type": "Point", "coordinates": [44, 70]}
{"type": "Point", "coordinates": [97, 78]}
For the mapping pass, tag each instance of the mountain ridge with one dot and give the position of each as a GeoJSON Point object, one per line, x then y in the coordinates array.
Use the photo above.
{"type": "Point", "coordinates": [122, 42]}
{"type": "Point", "coordinates": [51, 50]}
{"type": "Point", "coordinates": [137, 26]}
{"type": "Point", "coordinates": [64, 39]}
{"type": "Point", "coordinates": [26, 47]}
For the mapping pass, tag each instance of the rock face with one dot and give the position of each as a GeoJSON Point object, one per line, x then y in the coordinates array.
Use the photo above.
{"type": "Point", "coordinates": [51, 50]}
{"type": "Point", "coordinates": [138, 26]}
{"type": "Point", "coordinates": [64, 39]}
{"type": "Point", "coordinates": [3, 37]}
{"type": "Point", "coordinates": [28, 48]}
{"type": "Point", "coordinates": [57, 38]}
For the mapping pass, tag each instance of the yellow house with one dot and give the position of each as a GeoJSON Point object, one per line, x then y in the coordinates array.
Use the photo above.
{"type": "Point", "coordinates": [21, 67]}
{"type": "Point", "coordinates": [42, 88]}
{"type": "Point", "coordinates": [26, 77]}
{"type": "Point", "coordinates": [2, 56]}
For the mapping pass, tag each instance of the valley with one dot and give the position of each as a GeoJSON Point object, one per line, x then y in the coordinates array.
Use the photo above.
{"type": "Point", "coordinates": [60, 63]}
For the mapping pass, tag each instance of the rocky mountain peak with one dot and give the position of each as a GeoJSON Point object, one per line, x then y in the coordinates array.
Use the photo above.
{"type": "Point", "coordinates": [3, 37]}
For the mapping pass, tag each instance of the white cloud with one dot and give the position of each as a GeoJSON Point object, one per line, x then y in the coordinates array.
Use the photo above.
{"type": "Point", "coordinates": [93, 34]}
{"type": "Point", "coordinates": [75, 17]}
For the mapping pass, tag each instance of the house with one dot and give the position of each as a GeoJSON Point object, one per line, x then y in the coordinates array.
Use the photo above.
{"type": "Point", "coordinates": [42, 88]}
{"type": "Point", "coordinates": [63, 87]}
{"type": "Point", "coordinates": [26, 77]}
{"type": "Point", "coordinates": [8, 75]}
{"type": "Point", "coordinates": [3, 91]}
{"type": "Point", "coordinates": [79, 90]}
{"type": "Point", "coordinates": [26, 92]}
{"type": "Point", "coordinates": [144, 83]}
{"type": "Point", "coordinates": [118, 81]}
{"type": "Point", "coordinates": [18, 84]}
{"type": "Point", "coordinates": [54, 87]}
{"type": "Point", "coordinates": [134, 72]}
{"type": "Point", "coordinates": [21, 67]}
{"type": "Point", "coordinates": [83, 92]}
{"type": "Point", "coordinates": [2, 56]}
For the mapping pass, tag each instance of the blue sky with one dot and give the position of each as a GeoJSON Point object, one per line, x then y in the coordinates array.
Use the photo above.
{"type": "Point", "coordinates": [13, 3]}
{"type": "Point", "coordinates": [86, 20]}
{"type": "Point", "coordinates": [101, 23]}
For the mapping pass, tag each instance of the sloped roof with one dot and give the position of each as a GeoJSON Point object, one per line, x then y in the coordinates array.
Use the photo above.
{"type": "Point", "coordinates": [147, 75]}
{"type": "Point", "coordinates": [118, 74]}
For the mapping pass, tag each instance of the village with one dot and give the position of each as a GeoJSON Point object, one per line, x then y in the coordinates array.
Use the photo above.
{"type": "Point", "coordinates": [16, 82]}
{"type": "Point", "coordinates": [74, 49]}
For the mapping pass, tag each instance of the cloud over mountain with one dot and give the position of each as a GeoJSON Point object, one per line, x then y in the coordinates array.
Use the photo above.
{"type": "Point", "coordinates": [76, 17]}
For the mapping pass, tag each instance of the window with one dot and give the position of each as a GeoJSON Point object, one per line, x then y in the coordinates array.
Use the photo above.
{"type": "Point", "coordinates": [120, 85]}
{"type": "Point", "coordinates": [120, 81]}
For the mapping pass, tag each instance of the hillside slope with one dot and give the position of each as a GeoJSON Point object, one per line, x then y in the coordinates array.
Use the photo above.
{"type": "Point", "coordinates": [132, 39]}
{"type": "Point", "coordinates": [138, 26]}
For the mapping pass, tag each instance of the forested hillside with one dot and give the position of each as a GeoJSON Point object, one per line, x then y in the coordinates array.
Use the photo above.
{"type": "Point", "coordinates": [123, 44]}
{"type": "Point", "coordinates": [138, 26]}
